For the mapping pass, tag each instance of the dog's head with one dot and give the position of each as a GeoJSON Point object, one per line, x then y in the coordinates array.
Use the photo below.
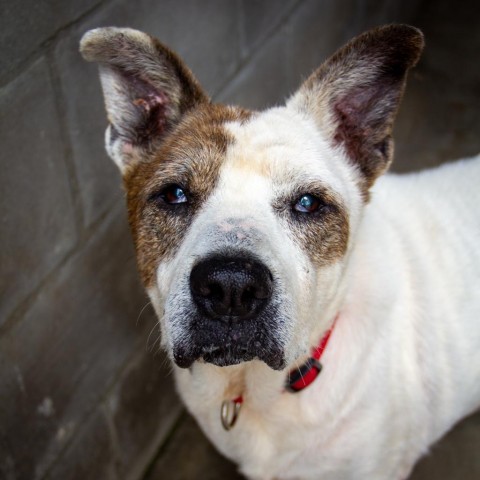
{"type": "Point", "coordinates": [243, 221]}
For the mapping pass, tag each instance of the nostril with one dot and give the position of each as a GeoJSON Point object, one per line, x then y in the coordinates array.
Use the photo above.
{"type": "Point", "coordinates": [209, 291]}
{"type": "Point", "coordinates": [246, 300]}
{"type": "Point", "coordinates": [216, 292]}
{"type": "Point", "coordinates": [248, 294]}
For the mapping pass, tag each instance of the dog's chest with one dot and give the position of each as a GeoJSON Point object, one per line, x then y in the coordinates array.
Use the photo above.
{"type": "Point", "coordinates": [290, 442]}
{"type": "Point", "coordinates": [304, 435]}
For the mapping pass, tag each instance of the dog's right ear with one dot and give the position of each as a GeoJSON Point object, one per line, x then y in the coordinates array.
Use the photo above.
{"type": "Point", "coordinates": [354, 96]}
{"type": "Point", "coordinates": [147, 90]}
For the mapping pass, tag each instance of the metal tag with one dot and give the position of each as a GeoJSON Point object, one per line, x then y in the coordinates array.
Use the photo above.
{"type": "Point", "coordinates": [229, 413]}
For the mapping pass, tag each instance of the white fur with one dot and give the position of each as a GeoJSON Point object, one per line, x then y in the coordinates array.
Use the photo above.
{"type": "Point", "coordinates": [403, 363]}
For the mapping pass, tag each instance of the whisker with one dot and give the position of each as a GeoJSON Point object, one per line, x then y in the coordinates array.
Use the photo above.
{"type": "Point", "coordinates": [141, 311]}
{"type": "Point", "coordinates": [297, 366]}
{"type": "Point", "coordinates": [155, 327]}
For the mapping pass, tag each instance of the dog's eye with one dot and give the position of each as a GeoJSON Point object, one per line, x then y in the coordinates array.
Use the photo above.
{"type": "Point", "coordinates": [173, 195]}
{"type": "Point", "coordinates": [307, 204]}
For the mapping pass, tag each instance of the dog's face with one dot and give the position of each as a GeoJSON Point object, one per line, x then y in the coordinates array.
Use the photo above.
{"type": "Point", "coordinates": [243, 221]}
{"type": "Point", "coordinates": [242, 233]}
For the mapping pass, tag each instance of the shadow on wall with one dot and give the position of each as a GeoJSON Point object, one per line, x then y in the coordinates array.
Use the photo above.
{"type": "Point", "coordinates": [80, 394]}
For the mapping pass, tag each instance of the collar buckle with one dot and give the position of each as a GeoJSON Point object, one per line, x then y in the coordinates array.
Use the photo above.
{"type": "Point", "coordinates": [303, 376]}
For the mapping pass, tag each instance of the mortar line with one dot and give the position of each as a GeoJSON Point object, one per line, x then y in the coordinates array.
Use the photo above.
{"type": "Point", "coordinates": [182, 418]}
{"type": "Point", "coordinates": [40, 49]}
{"type": "Point", "coordinates": [70, 166]}
{"type": "Point", "coordinates": [83, 420]}
{"type": "Point", "coordinates": [26, 303]}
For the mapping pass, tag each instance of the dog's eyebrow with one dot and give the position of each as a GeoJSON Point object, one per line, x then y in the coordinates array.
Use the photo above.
{"type": "Point", "coordinates": [287, 192]}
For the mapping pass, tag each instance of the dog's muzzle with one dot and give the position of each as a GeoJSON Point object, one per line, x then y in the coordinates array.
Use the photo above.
{"type": "Point", "coordinates": [233, 319]}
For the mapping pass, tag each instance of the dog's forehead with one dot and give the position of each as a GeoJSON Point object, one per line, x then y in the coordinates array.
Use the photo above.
{"type": "Point", "coordinates": [234, 145]}
{"type": "Point", "coordinates": [279, 145]}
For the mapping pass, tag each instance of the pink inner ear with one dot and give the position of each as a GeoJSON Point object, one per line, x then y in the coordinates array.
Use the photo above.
{"type": "Point", "coordinates": [351, 128]}
{"type": "Point", "coordinates": [364, 117]}
{"type": "Point", "coordinates": [152, 100]}
{"type": "Point", "coordinates": [364, 106]}
{"type": "Point", "coordinates": [152, 111]}
{"type": "Point", "coordinates": [127, 148]}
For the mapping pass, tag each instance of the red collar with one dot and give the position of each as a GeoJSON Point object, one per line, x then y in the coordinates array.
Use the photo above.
{"type": "Point", "coordinates": [297, 379]}
{"type": "Point", "coordinates": [302, 376]}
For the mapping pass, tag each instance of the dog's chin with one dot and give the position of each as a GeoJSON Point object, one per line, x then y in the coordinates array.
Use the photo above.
{"type": "Point", "coordinates": [224, 357]}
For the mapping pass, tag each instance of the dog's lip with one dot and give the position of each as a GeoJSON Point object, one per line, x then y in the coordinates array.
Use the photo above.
{"type": "Point", "coordinates": [223, 356]}
{"type": "Point", "coordinates": [184, 361]}
{"type": "Point", "coordinates": [216, 355]}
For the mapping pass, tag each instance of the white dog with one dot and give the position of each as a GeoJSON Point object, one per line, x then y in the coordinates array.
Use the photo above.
{"type": "Point", "coordinates": [264, 245]}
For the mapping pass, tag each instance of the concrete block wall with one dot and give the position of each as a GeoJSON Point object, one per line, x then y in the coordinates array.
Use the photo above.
{"type": "Point", "coordinates": [84, 392]}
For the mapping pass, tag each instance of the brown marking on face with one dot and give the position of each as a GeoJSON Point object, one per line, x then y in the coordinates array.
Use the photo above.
{"type": "Point", "coordinates": [323, 235]}
{"type": "Point", "coordinates": [258, 165]}
{"type": "Point", "coordinates": [190, 156]}
{"type": "Point", "coordinates": [257, 159]}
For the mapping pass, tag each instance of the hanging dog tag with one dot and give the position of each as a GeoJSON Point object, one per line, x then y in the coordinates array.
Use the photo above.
{"type": "Point", "coordinates": [229, 412]}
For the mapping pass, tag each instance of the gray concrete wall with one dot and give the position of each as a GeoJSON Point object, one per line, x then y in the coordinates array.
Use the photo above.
{"type": "Point", "coordinates": [84, 392]}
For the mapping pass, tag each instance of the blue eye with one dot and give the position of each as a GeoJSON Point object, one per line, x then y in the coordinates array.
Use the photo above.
{"type": "Point", "coordinates": [173, 195]}
{"type": "Point", "coordinates": [307, 204]}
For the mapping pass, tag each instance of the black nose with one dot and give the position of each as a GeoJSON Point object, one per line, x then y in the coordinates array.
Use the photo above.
{"type": "Point", "coordinates": [231, 288]}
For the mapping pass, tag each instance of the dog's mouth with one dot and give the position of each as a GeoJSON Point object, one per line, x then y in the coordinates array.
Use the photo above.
{"type": "Point", "coordinates": [225, 356]}
{"type": "Point", "coordinates": [233, 313]}
{"type": "Point", "coordinates": [229, 354]}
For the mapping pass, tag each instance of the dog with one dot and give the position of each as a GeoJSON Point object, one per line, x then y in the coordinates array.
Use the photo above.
{"type": "Point", "coordinates": [323, 320]}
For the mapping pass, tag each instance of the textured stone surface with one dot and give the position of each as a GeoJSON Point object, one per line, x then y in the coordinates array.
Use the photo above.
{"type": "Point", "coordinates": [263, 82]}
{"type": "Point", "coordinates": [190, 456]}
{"type": "Point", "coordinates": [99, 179]}
{"type": "Point", "coordinates": [61, 357]}
{"type": "Point", "coordinates": [440, 117]}
{"type": "Point", "coordinates": [37, 221]}
{"type": "Point", "coordinates": [144, 408]}
{"type": "Point", "coordinates": [91, 455]}
{"type": "Point", "coordinates": [452, 39]}
{"type": "Point", "coordinates": [371, 13]}
{"type": "Point", "coordinates": [259, 18]}
{"type": "Point", "coordinates": [312, 33]}
{"type": "Point", "coordinates": [436, 123]}
{"type": "Point", "coordinates": [23, 27]}
{"type": "Point", "coordinates": [205, 34]}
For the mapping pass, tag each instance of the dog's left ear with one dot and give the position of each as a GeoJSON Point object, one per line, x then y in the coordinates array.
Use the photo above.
{"type": "Point", "coordinates": [353, 97]}
{"type": "Point", "coordinates": [147, 90]}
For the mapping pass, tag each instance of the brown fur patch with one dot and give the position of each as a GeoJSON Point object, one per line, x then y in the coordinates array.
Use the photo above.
{"type": "Point", "coordinates": [323, 235]}
{"type": "Point", "coordinates": [255, 160]}
{"type": "Point", "coordinates": [190, 156]}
